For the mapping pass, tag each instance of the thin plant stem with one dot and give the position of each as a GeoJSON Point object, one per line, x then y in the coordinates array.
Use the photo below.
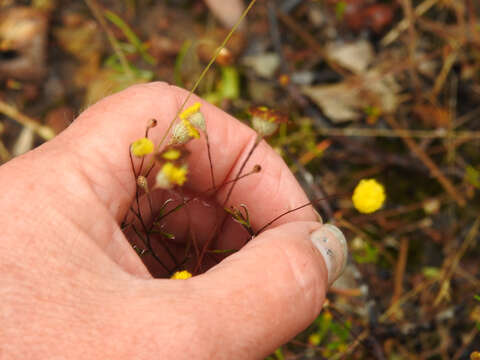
{"type": "Point", "coordinates": [282, 215]}
{"type": "Point", "coordinates": [249, 155]}
{"type": "Point", "coordinates": [205, 70]}
{"type": "Point", "coordinates": [212, 175]}
{"type": "Point", "coordinates": [94, 7]}
{"type": "Point", "coordinates": [140, 218]}
{"type": "Point", "coordinates": [150, 249]}
{"type": "Point", "coordinates": [295, 209]}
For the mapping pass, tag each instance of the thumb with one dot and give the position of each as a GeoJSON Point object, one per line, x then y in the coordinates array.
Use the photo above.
{"type": "Point", "coordinates": [262, 296]}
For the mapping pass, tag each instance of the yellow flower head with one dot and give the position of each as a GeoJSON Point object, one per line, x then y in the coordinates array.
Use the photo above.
{"type": "Point", "coordinates": [192, 131]}
{"type": "Point", "coordinates": [314, 339]}
{"type": "Point", "coordinates": [368, 196]}
{"type": "Point", "coordinates": [171, 175]}
{"type": "Point", "coordinates": [142, 147]}
{"type": "Point", "coordinates": [181, 275]}
{"type": "Point", "coordinates": [183, 132]}
{"type": "Point", "coordinates": [195, 108]}
{"type": "Point", "coordinates": [171, 154]}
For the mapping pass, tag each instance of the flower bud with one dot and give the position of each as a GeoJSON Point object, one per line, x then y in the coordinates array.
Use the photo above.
{"type": "Point", "coordinates": [198, 121]}
{"type": "Point", "coordinates": [142, 183]}
{"type": "Point", "coordinates": [263, 127]}
{"type": "Point", "coordinates": [180, 134]}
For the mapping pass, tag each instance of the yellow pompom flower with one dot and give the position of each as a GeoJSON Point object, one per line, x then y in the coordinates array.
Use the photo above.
{"type": "Point", "coordinates": [171, 175]}
{"type": "Point", "coordinates": [314, 339]}
{"type": "Point", "coordinates": [181, 275]}
{"type": "Point", "coordinates": [171, 154]}
{"type": "Point", "coordinates": [195, 108]}
{"type": "Point", "coordinates": [142, 147]}
{"type": "Point", "coordinates": [368, 196]}
{"type": "Point", "coordinates": [192, 131]}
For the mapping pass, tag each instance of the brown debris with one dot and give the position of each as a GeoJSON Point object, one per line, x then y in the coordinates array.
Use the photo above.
{"type": "Point", "coordinates": [23, 41]}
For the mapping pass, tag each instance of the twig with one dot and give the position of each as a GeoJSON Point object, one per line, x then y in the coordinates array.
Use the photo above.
{"type": "Point", "coordinates": [399, 133]}
{"type": "Point", "coordinates": [411, 43]}
{"type": "Point", "coordinates": [315, 189]}
{"type": "Point", "coordinates": [12, 112]}
{"type": "Point", "coordinates": [310, 41]}
{"type": "Point", "coordinates": [404, 24]}
{"type": "Point", "coordinates": [413, 146]}
{"type": "Point", "coordinates": [467, 340]}
{"type": "Point", "coordinates": [400, 270]}
{"type": "Point", "coordinates": [442, 76]}
{"type": "Point", "coordinates": [448, 273]}
{"type": "Point", "coordinates": [291, 88]}
{"type": "Point", "coordinates": [407, 296]}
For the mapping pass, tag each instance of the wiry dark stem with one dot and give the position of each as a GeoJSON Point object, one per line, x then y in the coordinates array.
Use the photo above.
{"type": "Point", "coordinates": [210, 160]}
{"type": "Point", "coordinates": [249, 155]}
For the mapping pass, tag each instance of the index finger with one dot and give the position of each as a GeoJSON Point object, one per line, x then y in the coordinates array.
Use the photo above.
{"type": "Point", "coordinates": [104, 132]}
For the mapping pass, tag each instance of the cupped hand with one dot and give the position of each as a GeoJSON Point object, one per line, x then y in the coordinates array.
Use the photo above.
{"type": "Point", "coordinates": [72, 286]}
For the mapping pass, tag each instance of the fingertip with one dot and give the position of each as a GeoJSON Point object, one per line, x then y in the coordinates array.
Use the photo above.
{"type": "Point", "coordinates": [272, 289]}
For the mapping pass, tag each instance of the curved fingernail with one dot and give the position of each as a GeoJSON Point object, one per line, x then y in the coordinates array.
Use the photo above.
{"type": "Point", "coordinates": [331, 243]}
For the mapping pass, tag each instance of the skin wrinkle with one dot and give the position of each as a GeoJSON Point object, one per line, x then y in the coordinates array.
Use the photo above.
{"type": "Point", "coordinates": [93, 314]}
{"type": "Point", "coordinates": [184, 327]}
{"type": "Point", "coordinates": [103, 239]}
{"type": "Point", "coordinates": [113, 205]}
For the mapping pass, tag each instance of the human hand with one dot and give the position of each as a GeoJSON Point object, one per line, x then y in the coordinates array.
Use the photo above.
{"type": "Point", "coordinates": [73, 287]}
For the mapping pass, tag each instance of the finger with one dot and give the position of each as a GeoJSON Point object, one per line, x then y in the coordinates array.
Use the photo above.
{"type": "Point", "coordinates": [101, 137]}
{"type": "Point", "coordinates": [262, 296]}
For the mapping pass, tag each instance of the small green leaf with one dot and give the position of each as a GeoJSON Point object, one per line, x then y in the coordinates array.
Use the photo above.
{"type": "Point", "coordinates": [431, 272]}
{"type": "Point", "coordinates": [340, 9]}
{"type": "Point", "coordinates": [168, 235]}
{"type": "Point", "coordinates": [221, 251]}
{"type": "Point", "coordinates": [131, 36]}
{"type": "Point", "coordinates": [230, 83]}
{"type": "Point", "coordinates": [177, 70]}
{"type": "Point", "coordinates": [472, 175]}
{"type": "Point", "coordinates": [367, 255]}
{"type": "Point", "coordinates": [279, 354]}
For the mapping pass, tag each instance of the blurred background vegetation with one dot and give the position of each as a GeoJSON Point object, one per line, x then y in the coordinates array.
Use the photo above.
{"type": "Point", "coordinates": [373, 89]}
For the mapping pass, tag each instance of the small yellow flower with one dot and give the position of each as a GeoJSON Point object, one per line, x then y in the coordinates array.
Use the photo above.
{"type": "Point", "coordinates": [192, 131]}
{"type": "Point", "coordinates": [142, 147]}
{"type": "Point", "coordinates": [475, 355]}
{"type": "Point", "coordinates": [181, 275]}
{"type": "Point", "coordinates": [195, 108]}
{"type": "Point", "coordinates": [314, 339]}
{"type": "Point", "coordinates": [171, 154]}
{"type": "Point", "coordinates": [171, 175]}
{"type": "Point", "coordinates": [368, 196]}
